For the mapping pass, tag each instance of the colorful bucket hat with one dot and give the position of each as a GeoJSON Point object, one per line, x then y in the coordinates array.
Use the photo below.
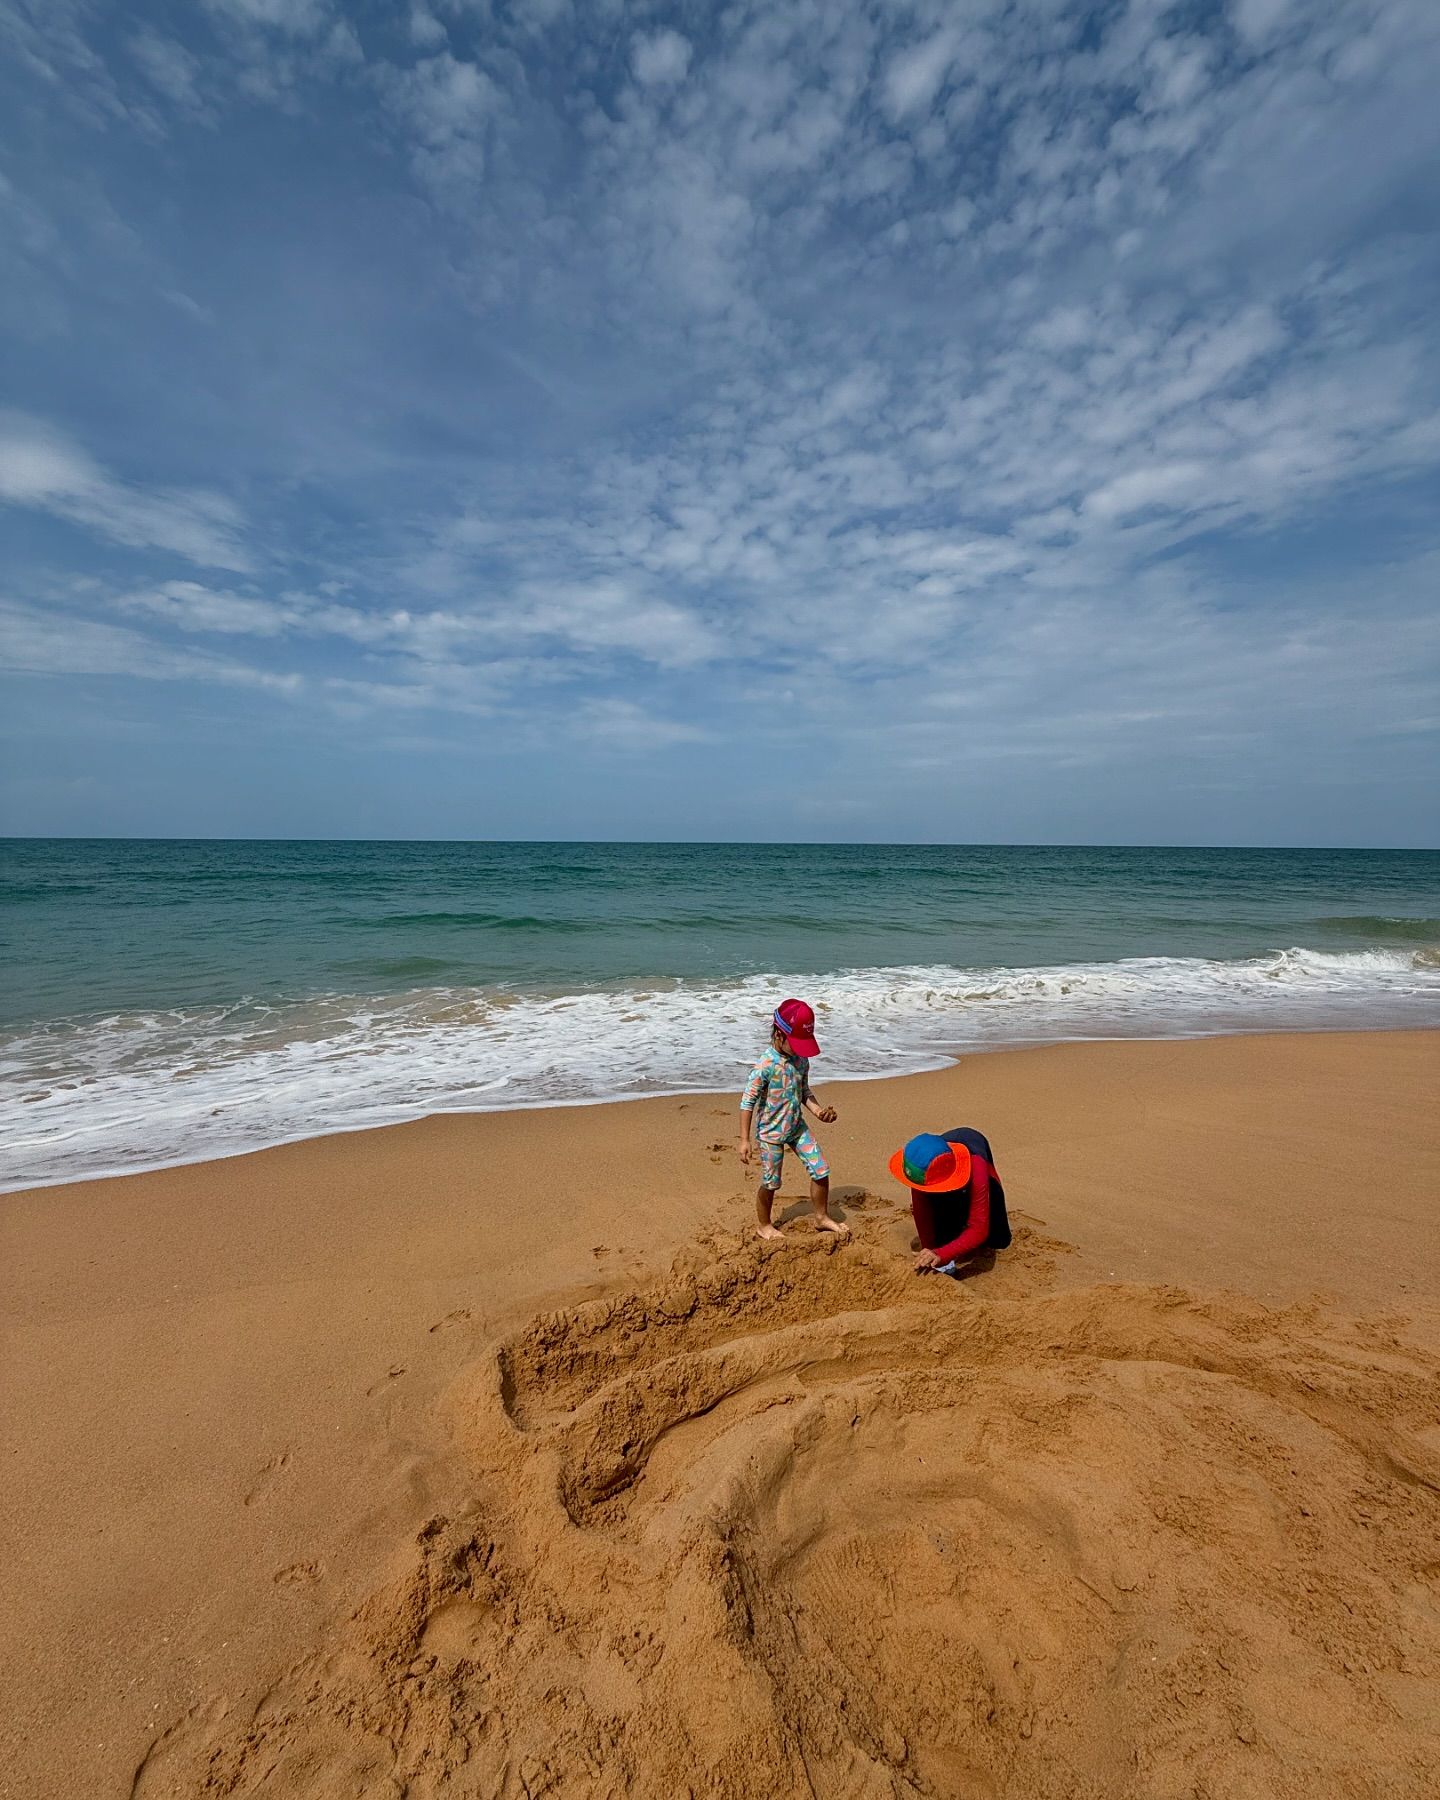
{"type": "Point", "coordinates": [795, 1020]}
{"type": "Point", "coordinates": [931, 1164]}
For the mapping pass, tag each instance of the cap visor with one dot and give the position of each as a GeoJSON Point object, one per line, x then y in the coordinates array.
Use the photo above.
{"type": "Point", "coordinates": [803, 1046]}
{"type": "Point", "coordinates": [946, 1185]}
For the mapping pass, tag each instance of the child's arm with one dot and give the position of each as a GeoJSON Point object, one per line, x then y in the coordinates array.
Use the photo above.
{"type": "Point", "coordinates": [754, 1088]}
{"type": "Point", "coordinates": [977, 1227]}
{"type": "Point", "coordinates": [746, 1117]}
{"type": "Point", "coordinates": [825, 1114]}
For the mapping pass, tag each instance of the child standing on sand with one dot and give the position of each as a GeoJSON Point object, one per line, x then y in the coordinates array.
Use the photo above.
{"type": "Point", "coordinates": [777, 1096]}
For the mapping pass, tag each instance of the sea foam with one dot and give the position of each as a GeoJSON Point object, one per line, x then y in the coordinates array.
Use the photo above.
{"type": "Point", "coordinates": [124, 1092]}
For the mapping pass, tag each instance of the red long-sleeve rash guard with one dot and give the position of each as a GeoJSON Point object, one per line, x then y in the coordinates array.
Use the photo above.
{"type": "Point", "coordinates": [933, 1213]}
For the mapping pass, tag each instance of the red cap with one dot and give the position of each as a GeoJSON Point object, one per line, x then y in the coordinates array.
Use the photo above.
{"type": "Point", "coordinates": [795, 1019]}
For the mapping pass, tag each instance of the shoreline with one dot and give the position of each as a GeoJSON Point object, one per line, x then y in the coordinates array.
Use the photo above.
{"type": "Point", "coordinates": [284, 1352]}
{"type": "Point", "coordinates": [950, 1060]}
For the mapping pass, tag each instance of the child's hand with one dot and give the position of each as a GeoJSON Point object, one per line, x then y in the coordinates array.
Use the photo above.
{"type": "Point", "coordinates": [828, 1115]}
{"type": "Point", "coordinates": [745, 1151]}
{"type": "Point", "coordinates": [926, 1261]}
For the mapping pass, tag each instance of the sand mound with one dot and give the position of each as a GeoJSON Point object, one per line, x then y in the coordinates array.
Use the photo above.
{"type": "Point", "coordinates": [795, 1523]}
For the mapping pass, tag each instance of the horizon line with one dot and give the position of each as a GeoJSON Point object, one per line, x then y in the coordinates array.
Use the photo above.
{"type": "Point", "coordinates": [717, 843]}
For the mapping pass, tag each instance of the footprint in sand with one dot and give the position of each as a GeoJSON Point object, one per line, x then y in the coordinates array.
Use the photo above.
{"type": "Point", "coordinates": [298, 1574]}
{"type": "Point", "coordinates": [268, 1474]}
{"type": "Point", "coordinates": [600, 1250]}
{"type": "Point", "coordinates": [461, 1316]}
{"type": "Point", "coordinates": [391, 1374]}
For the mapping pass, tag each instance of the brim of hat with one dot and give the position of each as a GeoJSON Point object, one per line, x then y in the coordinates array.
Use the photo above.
{"type": "Point", "coordinates": [802, 1046]}
{"type": "Point", "coordinates": [946, 1185]}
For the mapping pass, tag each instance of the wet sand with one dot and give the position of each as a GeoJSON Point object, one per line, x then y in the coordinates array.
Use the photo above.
{"type": "Point", "coordinates": [491, 1455]}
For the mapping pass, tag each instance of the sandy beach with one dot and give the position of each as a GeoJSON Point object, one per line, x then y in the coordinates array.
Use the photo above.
{"type": "Point", "coordinates": [571, 563]}
{"type": "Point", "coordinates": [492, 1456]}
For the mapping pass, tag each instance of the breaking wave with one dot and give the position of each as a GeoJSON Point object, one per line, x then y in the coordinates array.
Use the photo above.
{"type": "Point", "coordinates": [144, 1089]}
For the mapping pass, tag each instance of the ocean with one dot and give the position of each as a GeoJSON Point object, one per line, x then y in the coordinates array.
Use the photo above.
{"type": "Point", "coordinates": [166, 1002]}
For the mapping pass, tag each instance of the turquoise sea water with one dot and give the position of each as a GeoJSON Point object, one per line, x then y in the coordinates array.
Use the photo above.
{"type": "Point", "coordinates": [166, 1001]}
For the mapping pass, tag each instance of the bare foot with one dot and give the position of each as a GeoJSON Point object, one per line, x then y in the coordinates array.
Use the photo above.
{"type": "Point", "coordinates": [824, 1222]}
{"type": "Point", "coordinates": [768, 1231]}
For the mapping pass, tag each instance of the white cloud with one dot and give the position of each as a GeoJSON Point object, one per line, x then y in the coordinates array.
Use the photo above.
{"type": "Point", "coordinates": [542, 15]}
{"type": "Point", "coordinates": [189, 607]}
{"type": "Point", "coordinates": [447, 98]}
{"type": "Point", "coordinates": [914, 76]}
{"type": "Point", "coordinates": [623, 725]}
{"type": "Point", "coordinates": [1255, 20]}
{"type": "Point", "coordinates": [1172, 485]}
{"type": "Point", "coordinates": [450, 107]}
{"type": "Point", "coordinates": [170, 67]}
{"type": "Point", "coordinates": [189, 305]}
{"type": "Point", "coordinates": [41, 641]}
{"type": "Point", "coordinates": [473, 657]}
{"type": "Point", "coordinates": [615, 616]}
{"type": "Point", "coordinates": [660, 58]}
{"type": "Point", "coordinates": [39, 468]}
{"type": "Point", "coordinates": [298, 18]}
{"type": "Point", "coordinates": [425, 28]}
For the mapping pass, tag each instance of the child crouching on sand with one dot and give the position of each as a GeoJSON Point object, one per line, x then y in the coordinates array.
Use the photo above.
{"type": "Point", "coordinates": [772, 1115]}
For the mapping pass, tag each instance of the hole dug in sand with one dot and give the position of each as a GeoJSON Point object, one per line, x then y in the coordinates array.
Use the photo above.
{"type": "Point", "coordinates": [799, 1524]}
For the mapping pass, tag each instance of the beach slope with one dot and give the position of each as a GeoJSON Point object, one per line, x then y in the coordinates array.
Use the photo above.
{"type": "Point", "coordinates": [391, 1464]}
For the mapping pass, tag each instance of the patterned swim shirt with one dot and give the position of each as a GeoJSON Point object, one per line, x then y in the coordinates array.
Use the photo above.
{"type": "Point", "coordinates": [776, 1093]}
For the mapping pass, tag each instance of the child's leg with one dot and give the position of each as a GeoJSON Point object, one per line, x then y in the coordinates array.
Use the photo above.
{"type": "Point", "coordinates": [820, 1201]}
{"type": "Point", "coordinates": [771, 1157]}
{"type": "Point", "coordinates": [813, 1158]}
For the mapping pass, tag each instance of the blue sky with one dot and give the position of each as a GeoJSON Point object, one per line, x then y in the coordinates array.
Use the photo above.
{"type": "Point", "coordinates": [1002, 420]}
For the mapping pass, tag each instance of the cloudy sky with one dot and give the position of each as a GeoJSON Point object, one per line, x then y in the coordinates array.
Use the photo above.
{"type": "Point", "coordinates": [1005, 420]}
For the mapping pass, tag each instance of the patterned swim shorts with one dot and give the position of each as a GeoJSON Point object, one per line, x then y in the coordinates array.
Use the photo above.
{"type": "Point", "coordinates": [804, 1146]}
